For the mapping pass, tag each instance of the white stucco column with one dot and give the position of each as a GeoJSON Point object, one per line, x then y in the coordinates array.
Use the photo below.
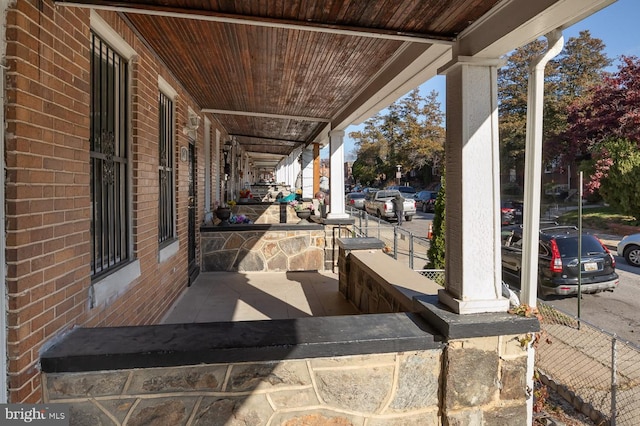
{"type": "Point", "coordinates": [473, 267]}
{"type": "Point", "coordinates": [307, 172]}
{"type": "Point", "coordinates": [336, 181]}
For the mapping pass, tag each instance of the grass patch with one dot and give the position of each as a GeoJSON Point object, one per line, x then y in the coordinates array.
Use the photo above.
{"type": "Point", "coordinates": [603, 218]}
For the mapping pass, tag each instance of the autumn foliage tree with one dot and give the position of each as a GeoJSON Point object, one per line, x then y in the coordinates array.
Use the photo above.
{"type": "Point", "coordinates": [408, 133]}
{"type": "Point", "coordinates": [605, 128]}
{"type": "Point", "coordinates": [568, 78]}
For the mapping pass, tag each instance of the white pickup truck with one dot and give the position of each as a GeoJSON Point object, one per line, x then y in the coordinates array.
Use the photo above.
{"type": "Point", "coordinates": [380, 204]}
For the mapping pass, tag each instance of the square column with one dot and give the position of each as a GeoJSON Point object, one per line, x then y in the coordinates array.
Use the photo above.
{"type": "Point", "coordinates": [336, 181]}
{"type": "Point", "coordinates": [473, 266]}
{"type": "Point", "coordinates": [307, 172]}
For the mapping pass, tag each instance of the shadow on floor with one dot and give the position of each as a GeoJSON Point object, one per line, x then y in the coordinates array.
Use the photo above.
{"type": "Point", "coordinates": [235, 296]}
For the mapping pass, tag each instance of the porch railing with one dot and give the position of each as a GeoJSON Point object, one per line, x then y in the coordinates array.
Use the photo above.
{"type": "Point", "coordinates": [401, 244]}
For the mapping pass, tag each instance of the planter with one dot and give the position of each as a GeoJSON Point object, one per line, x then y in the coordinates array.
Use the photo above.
{"type": "Point", "coordinates": [223, 213]}
{"type": "Point", "coordinates": [243, 200]}
{"type": "Point", "coordinates": [304, 215]}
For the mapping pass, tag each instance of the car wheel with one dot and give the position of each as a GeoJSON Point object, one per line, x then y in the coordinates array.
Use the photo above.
{"type": "Point", "coordinates": [424, 208]}
{"type": "Point", "coordinates": [632, 255]}
{"type": "Point", "coordinates": [379, 214]}
{"type": "Point", "coordinates": [408, 218]}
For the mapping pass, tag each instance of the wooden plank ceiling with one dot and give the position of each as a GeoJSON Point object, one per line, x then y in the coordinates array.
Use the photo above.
{"type": "Point", "coordinates": [275, 73]}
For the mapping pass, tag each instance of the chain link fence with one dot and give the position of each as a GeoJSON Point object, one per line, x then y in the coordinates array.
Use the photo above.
{"type": "Point", "coordinates": [591, 368]}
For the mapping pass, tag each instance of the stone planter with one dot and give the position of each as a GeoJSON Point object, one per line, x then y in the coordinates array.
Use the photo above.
{"type": "Point", "coordinates": [223, 213]}
{"type": "Point", "coordinates": [304, 215]}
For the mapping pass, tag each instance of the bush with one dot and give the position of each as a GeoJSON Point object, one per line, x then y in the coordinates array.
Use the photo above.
{"type": "Point", "coordinates": [436, 250]}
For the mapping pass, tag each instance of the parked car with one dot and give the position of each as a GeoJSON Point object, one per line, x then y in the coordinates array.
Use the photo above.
{"type": "Point", "coordinates": [425, 200]}
{"type": "Point", "coordinates": [629, 247]}
{"type": "Point", "coordinates": [558, 261]}
{"type": "Point", "coordinates": [406, 191]}
{"type": "Point", "coordinates": [511, 212]}
{"type": "Point", "coordinates": [380, 204]}
{"type": "Point", "coordinates": [355, 200]}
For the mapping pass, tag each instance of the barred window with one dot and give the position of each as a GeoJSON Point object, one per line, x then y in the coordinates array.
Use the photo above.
{"type": "Point", "coordinates": [165, 170]}
{"type": "Point", "coordinates": [110, 210]}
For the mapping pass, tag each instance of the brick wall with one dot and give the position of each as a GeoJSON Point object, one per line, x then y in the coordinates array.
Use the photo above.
{"type": "Point", "coordinates": [48, 192]}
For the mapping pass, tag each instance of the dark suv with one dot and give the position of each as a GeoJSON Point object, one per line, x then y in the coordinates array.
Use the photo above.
{"type": "Point", "coordinates": [558, 261]}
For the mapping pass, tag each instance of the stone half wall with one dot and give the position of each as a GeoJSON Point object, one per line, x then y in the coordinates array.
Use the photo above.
{"type": "Point", "coordinates": [485, 363]}
{"type": "Point", "coordinates": [269, 213]}
{"type": "Point", "coordinates": [378, 389]}
{"type": "Point", "coordinates": [256, 248]}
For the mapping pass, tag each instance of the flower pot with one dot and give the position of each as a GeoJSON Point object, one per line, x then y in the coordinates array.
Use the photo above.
{"type": "Point", "coordinates": [223, 213]}
{"type": "Point", "coordinates": [243, 200]}
{"type": "Point", "coordinates": [304, 215]}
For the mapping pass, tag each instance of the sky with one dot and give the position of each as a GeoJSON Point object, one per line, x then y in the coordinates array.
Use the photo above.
{"type": "Point", "coordinates": [616, 25]}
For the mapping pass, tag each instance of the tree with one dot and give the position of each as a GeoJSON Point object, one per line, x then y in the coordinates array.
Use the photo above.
{"type": "Point", "coordinates": [367, 167]}
{"type": "Point", "coordinates": [618, 182]}
{"type": "Point", "coordinates": [568, 78]}
{"type": "Point", "coordinates": [409, 133]}
{"type": "Point", "coordinates": [512, 97]}
{"type": "Point", "coordinates": [597, 125]}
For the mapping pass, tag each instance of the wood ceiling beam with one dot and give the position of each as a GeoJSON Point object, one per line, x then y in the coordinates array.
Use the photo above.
{"type": "Point", "coordinates": [266, 138]}
{"type": "Point", "coordinates": [208, 15]}
{"type": "Point", "coordinates": [265, 115]}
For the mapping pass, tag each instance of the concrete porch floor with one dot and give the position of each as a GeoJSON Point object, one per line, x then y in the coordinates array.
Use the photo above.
{"type": "Point", "coordinates": [235, 296]}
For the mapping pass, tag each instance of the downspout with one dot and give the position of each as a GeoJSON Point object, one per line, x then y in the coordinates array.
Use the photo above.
{"type": "Point", "coordinates": [533, 169]}
{"type": "Point", "coordinates": [532, 192]}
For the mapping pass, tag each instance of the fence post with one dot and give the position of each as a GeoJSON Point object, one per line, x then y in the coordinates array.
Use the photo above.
{"type": "Point", "coordinates": [411, 250]}
{"type": "Point", "coordinates": [366, 224]}
{"type": "Point", "coordinates": [395, 242]}
{"type": "Point", "coordinates": [614, 379]}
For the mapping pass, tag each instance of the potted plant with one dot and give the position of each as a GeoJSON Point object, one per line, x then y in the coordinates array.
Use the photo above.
{"type": "Point", "coordinates": [223, 212]}
{"type": "Point", "coordinates": [245, 195]}
{"type": "Point", "coordinates": [303, 211]}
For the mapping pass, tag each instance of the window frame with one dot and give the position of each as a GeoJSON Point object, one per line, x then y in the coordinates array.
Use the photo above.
{"type": "Point", "coordinates": [110, 158]}
{"type": "Point", "coordinates": [167, 92]}
{"type": "Point", "coordinates": [108, 286]}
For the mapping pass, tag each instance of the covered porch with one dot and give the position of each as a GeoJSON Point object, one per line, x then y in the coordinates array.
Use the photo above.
{"type": "Point", "coordinates": [268, 84]}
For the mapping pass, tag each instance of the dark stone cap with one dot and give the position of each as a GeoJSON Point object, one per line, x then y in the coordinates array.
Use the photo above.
{"type": "Point", "coordinates": [455, 326]}
{"type": "Point", "coordinates": [360, 243]}
{"type": "Point", "coordinates": [116, 348]}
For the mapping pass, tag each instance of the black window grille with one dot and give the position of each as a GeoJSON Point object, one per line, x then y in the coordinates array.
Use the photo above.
{"type": "Point", "coordinates": [110, 245]}
{"type": "Point", "coordinates": [165, 170]}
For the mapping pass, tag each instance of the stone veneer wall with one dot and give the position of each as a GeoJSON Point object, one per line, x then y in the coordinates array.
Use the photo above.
{"type": "Point", "coordinates": [379, 389]}
{"type": "Point", "coordinates": [484, 375]}
{"type": "Point", "coordinates": [286, 248]}
{"type": "Point", "coordinates": [374, 282]}
{"type": "Point", "coordinates": [265, 212]}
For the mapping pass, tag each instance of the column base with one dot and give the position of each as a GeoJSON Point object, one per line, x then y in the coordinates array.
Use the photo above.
{"type": "Point", "coordinates": [337, 216]}
{"type": "Point", "coordinates": [473, 306]}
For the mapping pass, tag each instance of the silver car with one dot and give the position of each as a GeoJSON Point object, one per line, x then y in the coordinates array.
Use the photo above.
{"type": "Point", "coordinates": [629, 247]}
{"type": "Point", "coordinates": [355, 200]}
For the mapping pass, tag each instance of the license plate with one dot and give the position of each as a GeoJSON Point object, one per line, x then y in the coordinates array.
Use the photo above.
{"type": "Point", "coordinates": [590, 266]}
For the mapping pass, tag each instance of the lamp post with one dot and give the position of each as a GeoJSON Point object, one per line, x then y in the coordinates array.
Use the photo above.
{"type": "Point", "coordinates": [398, 173]}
